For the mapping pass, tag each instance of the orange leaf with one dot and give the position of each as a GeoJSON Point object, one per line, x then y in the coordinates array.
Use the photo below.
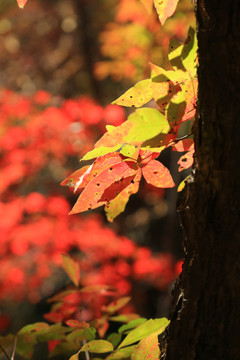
{"type": "Point", "coordinates": [74, 178]}
{"type": "Point", "coordinates": [156, 174]}
{"type": "Point", "coordinates": [165, 8]}
{"type": "Point", "coordinates": [148, 4]}
{"type": "Point", "coordinates": [96, 193]}
{"type": "Point", "coordinates": [118, 204]}
{"type": "Point", "coordinates": [186, 160]}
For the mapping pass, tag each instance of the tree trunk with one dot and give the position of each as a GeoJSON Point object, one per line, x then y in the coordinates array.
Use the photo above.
{"type": "Point", "coordinates": [205, 322]}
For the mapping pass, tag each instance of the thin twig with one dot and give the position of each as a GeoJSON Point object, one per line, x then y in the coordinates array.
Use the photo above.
{"type": "Point", "coordinates": [173, 142]}
{"type": "Point", "coordinates": [4, 352]}
{"type": "Point", "coordinates": [14, 348]}
{"type": "Point", "coordinates": [86, 351]}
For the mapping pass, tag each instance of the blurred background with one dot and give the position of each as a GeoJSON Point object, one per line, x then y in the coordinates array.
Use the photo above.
{"type": "Point", "coordinates": [62, 63]}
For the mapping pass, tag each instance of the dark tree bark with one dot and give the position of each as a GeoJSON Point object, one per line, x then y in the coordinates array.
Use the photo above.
{"type": "Point", "coordinates": [205, 322]}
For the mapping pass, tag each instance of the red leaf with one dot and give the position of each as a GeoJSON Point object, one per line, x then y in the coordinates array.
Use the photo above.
{"type": "Point", "coordinates": [92, 195]}
{"type": "Point", "coordinates": [183, 145]}
{"type": "Point", "coordinates": [156, 174]}
{"type": "Point", "coordinates": [77, 324]}
{"type": "Point", "coordinates": [147, 155]}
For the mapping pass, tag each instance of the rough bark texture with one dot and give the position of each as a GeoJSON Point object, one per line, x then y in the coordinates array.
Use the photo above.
{"type": "Point", "coordinates": [205, 322]}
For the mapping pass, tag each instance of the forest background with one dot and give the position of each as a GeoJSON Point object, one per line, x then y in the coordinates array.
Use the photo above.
{"type": "Point", "coordinates": [62, 63]}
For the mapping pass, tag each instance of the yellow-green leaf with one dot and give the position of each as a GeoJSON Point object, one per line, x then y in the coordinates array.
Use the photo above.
{"type": "Point", "coordinates": [72, 269]}
{"type": "Point", "coordinates": [100, 151]}
{"type": "Point", "coordinates": [189, 53]}
{"type": "Point", "coordinates": [137, 96]}
{"type": "Point", "coordinates": [144, 330]}
{"type": "Point", "coordinates": [128, 150]}
{"type": "Point", "coordinates": [98, 346]}
{"type": "Point", "coordinates": [147, 349]}
{"type": "Point", "coordinates": [182, 184]}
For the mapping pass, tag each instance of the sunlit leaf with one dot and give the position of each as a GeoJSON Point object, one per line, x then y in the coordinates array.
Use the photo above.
{"type": "Point", "coordinates": [21, 3]}
{"type": "Point", "coordinates": [186, 161]}
{"type": "Point", "coordinates": [144, 330]}
{"type": "Point", "coordinates": [147, 349]}
{"type": "Point", "coordinates": [174, 55]}
{"type": "Point", "coordinates": [156, 174]}
{"type": "Point", "coordinates": [97, 346]}
{"type": "Point", "coordinates": [189, 53]}
{"type": "Point", "coordinates": [128, 150]}
{"type": "Point", "coordinates": [105, 186]}
{"type": "Point", "coordinates": [118, 204]}
{"type": "Point", "coordinates": [182, 184]}
{"type": "Point", "coordinates": [183, 145]}
{"type": "Point", "coordinates": [141, 126]}
{"type": "Point", "coordinates": [100, 151]}
{"type": "Point", "coordinates": [72, 269]}
{"type": "Point", "coordinates": [137, 96]}
{"type": "Point", "coordinates": [74, 177]}
{"type": "Point", "coordinates": [165, 8]}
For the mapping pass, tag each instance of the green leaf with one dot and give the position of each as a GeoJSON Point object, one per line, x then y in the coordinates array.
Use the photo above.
{"type": "Point", "coordinates": [115, 339]}
{"type": "Point", "coordinates": [137, 96]}
{"type": "Point", "coordinates": [147, 349]}
{"type": "Point", "coordinates": [32, 328]}
{"type": "Point", "coordinates": [144, 330]}
{"type": "Point", "coordinates": [121, 353]}
{"type": "Point", "coordinates": [189, 53]}
{"type": "Point", "coordinates": [100, 151]}
{"type": "Point", "coordinates": [132, 324]}
{"type": "Point", "coordinates": [98, 346]}
{"type": "Point", "coordinates": [72, 269]}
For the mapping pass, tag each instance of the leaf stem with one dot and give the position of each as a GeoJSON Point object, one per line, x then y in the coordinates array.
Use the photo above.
{"type": "Point", "coordinates": [14, 348]}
